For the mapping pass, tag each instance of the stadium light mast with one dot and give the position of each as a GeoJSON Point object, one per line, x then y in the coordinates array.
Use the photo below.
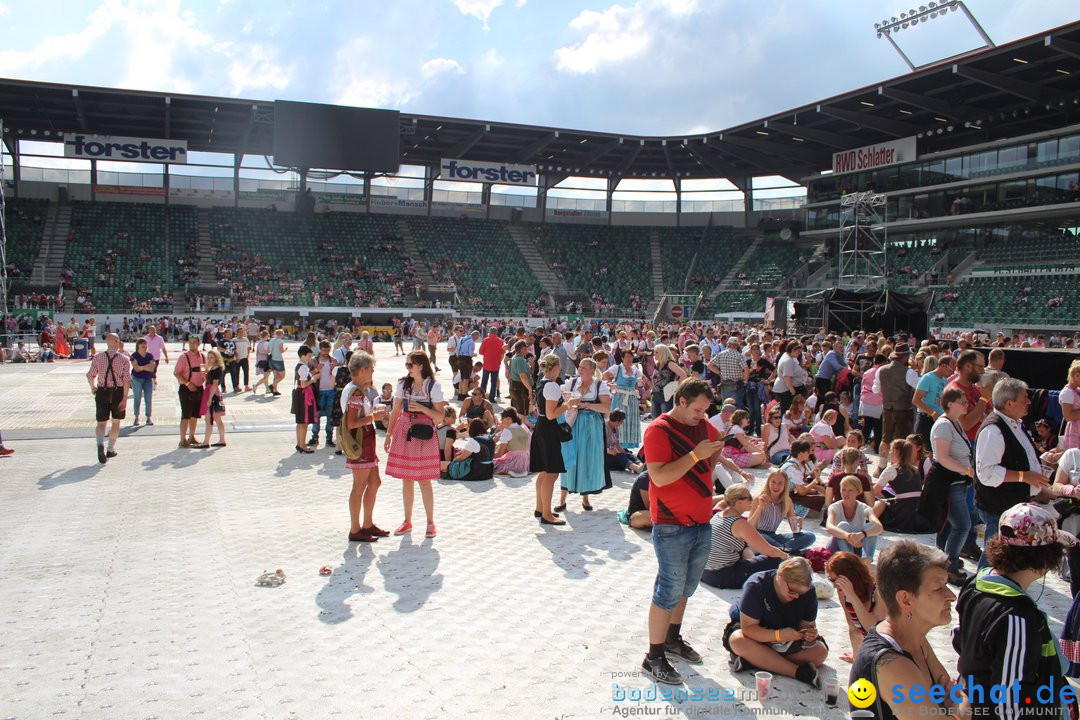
{"type": "Point", "coordinates": [931, 11]}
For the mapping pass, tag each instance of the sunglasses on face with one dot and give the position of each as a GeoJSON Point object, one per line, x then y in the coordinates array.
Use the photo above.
{"type": "Point", "coordinates": [408, 364]}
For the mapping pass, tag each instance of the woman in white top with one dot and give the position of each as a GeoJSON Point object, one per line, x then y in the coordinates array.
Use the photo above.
{"type": "Point", "coordinates": [586, 472]}
{"type": "Point", "coordinates": [852, 523]}
{"type": "Point", "coordinates": [1069, 397]}
{"type": "Point", "coordinates": [825, 441]}
{"type": "Point", "coordinates": [776, 438]}
{"type": "Point", "coordinates": [950, 478]}
{"type": "Point", "coordinates": [262, 361]}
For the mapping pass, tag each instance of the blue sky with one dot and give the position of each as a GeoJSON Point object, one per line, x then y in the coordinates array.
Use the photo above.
{"type": "Point", "coordinates": [650, 67]}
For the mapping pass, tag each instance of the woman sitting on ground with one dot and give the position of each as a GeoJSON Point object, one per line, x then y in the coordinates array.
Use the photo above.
{"type": "Point", "coordinates": [853, 525]}
{"type": "Point", "coordinates": [773, 625]}
{"type": "Point", "coordinates": [775, 438]}
{"type": "Point", "coordinates": [512, 450]}
{"type": "Point", "coordinates": [826, 443]}
{"type": "Point", "coordinates": [855, 439]}
{"type": "Point", "coordinates": [476, 407]}
{"type": "Point", "coordinates": [447, 434]}
{"type": "Point", "coordinates": [849, 465]}
{"type": "Point", "coordinates": [857, 593]}
{"type": "Point", "coordinates": [473, 461]}
{"type": "Point", "coordinates": [738, 446]}
{"type": "Point", "coordinates": [898, 490]}
{"type": "Point", "coordinates": [738, 550]}
{"type": "Point", "coordinates": [912, 582]}
{"type": "Point", "coordinates": [773, 505]}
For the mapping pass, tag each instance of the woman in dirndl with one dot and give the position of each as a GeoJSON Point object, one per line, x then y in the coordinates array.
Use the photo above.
{"type": "Point", "coordinates": [411, 440]}
{"type": "Point", "coordinates": [586, 472]}
{"type": "Point", "coordinates": [545, 448]}
{"type": "Point", "coordinates": [512, 450]}
{"type": "Point", "coordinates": [304, 407]}
{"type": "Point", "coordinates": [627, 378]}
{"type": "Point", "coordinates": [358, 440]}
{"type": "Point", "coordinates": [1069, 397]}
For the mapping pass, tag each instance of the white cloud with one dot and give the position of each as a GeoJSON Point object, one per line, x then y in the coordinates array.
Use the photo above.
{"type": "Point", "coordinates": [4, 10]}
{"type": "Point", "coordinates": [68, 47]}
{"type": "Point", "coordinates": [437, 66]}
{"type": "Point", "coordinates": [257, 69]}
{"type": "Point", "coordinates": [521, 3]}
{"type": "Point", "coordinates": [479, 9]}
{"type": "Point", "coordinates": [616, 34]}
{"type": "Point", "coordinates": [491, 59]}
{"type": "Point", "coordinates": [363, 84]}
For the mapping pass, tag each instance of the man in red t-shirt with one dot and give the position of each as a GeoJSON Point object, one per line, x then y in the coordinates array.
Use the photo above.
{"type": "Point", "coordinates": [969, 368]}
{"type": "Point", "coordinates": [492, 351]}
{"type": "Point", "coordinates": [681, 448]}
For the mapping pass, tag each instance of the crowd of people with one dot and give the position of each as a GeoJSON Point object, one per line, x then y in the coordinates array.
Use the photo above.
{"type": "Point", "coordinates": [871, 436]}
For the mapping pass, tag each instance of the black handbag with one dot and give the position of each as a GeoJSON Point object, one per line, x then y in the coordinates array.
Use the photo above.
{"type": "Point", "coordinates": [566, 432]}
{"type": "Point", "coordinates": [420, 432]}
{"type": "Point", "coordinates": [1065, 507]}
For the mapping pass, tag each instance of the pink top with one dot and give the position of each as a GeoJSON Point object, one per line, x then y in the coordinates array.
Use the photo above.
{"type": "Point", "coordinates": [154, 345]}
{"type": "Point", "coordinates": [868, 396]}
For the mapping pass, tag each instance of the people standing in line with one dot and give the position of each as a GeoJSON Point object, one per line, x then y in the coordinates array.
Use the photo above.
{"type": "Point", "coordinates": [212, 408]}
{"type": "Point", "coordinates": [324, 393]}
{"type": "Point", "coordinates": [1007, 467]}
{"type": "Point", "coordinates": [143, 368]}
{"type": "Point", "coordinates": [545, 446]}
{"type": "Point", "coordinates": [190, 376]}
{"type": "Point", "coordinates": [586, 472]}
{"type": "Point", "coordinates": [411, 441]}
{"type": "Point", "coordinates": [110, 380]}
{"type": "Point", "coordinates": [681, 447]}
{"type": "Point", "coordinates": [912, 582]}
{"type": "Point", "coordinates": [241, 361]}
{"type": "Point", "coordinates": [305, 408]}
{"type": "Point", "coordinates": [277, 348]}
{"type": "Point", "coordinates": [358, 440]}
{"type": "Point", "coordinates": [1004, 638]}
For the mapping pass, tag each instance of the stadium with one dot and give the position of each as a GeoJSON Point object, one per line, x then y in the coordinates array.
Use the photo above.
{"type": "Point", "coordinates": [941, 205]}
{"type": "Point", "coordinates": [982, 193]}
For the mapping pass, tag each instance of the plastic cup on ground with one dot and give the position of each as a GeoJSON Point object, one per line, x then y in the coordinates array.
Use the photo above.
{"type": "Point", "coordinates": [832, 690]}
{"type": "Point", "coordinates": [764, 684]}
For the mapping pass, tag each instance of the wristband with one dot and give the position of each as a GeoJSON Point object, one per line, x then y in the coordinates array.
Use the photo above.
{"type": "Point", "coordinates": [778, 636]}
{"type": "Point", "coordinates": [694, 457]}
{"type": "Point", "coordinates": [1021, 476]}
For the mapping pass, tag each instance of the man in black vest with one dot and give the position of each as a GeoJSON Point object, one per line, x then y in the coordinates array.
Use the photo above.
{"type": "Point", "coordinates": [1007, 465]}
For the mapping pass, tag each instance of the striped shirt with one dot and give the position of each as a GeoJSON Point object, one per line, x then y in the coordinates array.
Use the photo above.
{"type": "Point", "coordinates": [770, 517]}
{"type": "Point", "coordinates": [726, 549]}
{"type": "Point", "coordinates": [117, 377]}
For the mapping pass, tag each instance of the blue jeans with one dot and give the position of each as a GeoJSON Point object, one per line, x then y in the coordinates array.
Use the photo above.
{"type": "Point", "coordinates": [659, 404]}
{"type": "Point", "coordinates": [789, 543]}
{"type": "Point", "coordinates": [681, 553]}
{"type": "Point", "coordinates": [991, 530]}
{"type": "Point", "coordinates": [142, 388]}
{"type": "Point", "coordinates": [732, 393]}
{"type": "Point", "coordinates": [954, 535]}
{"type": "Point", "coordinates": [752, 401]}
{"type": "Point", "coordinates": [325, 400]}
{"type": "Point", "coordinates": [734, 576]}
{"type": "Point", "coordinates": [780, 457]}
{"type": "Point", "coordinates": [868, 546]}
{"type": "Point", "coordinates": [493, 376]}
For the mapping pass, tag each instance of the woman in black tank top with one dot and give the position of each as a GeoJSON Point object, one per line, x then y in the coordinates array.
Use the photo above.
{"type": "Point", "coordinates": [896, 655]}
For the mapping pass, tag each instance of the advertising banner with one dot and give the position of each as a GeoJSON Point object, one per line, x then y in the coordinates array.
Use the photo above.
{"type": "Point", "coordinates": [874, 156]}
{"type": "Point", "coordinates": [129, 190]}
{"type": "Point", "coordinates": [124, 149]}
{"type": "Point", "coordinates": [476, 171]}
{"type": "Point", "coordinates": [398, 202]}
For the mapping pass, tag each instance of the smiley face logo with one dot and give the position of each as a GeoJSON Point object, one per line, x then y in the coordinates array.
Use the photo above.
{"type": "Point", "coordinates": [862, 693]}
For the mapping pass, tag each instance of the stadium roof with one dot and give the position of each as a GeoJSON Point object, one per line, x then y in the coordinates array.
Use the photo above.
{"type": "Point", "coordinates": [1029, 85]}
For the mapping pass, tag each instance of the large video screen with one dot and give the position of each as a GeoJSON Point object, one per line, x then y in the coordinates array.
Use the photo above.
{"type": "Point", "coordinates": [335, 137]}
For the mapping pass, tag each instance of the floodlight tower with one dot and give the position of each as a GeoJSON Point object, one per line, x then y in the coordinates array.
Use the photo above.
{"type": "Point", "coordinates": [887, 28]}
{"type": "Point", "coordinates": [862, 261]}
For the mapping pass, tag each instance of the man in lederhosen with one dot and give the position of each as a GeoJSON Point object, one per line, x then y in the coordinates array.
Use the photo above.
{"type": "Point", "coordinates": [110, 381]}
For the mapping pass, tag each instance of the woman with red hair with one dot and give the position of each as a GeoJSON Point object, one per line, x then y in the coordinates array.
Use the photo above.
{"type": "Point", "coordinates": [857, 592]}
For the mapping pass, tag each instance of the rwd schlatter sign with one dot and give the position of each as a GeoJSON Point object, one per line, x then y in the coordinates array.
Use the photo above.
{"type": "Point", "coordinates": [874, 156]}
{"type": "Point", "coordinates": [124, 149]}
{"type": "Point", "coordinates": [475, 171]}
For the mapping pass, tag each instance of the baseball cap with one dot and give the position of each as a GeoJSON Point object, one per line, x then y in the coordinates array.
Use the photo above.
{"type": "Point", "coordinates": [1030, 525]}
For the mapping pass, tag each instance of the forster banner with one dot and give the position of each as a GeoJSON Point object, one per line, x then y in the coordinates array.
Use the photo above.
{"type": "Point", "coordinates": [124, 149]}
{"type": "Point", "coordinates": [874, 156]}
{"type": "Point", "coordinates": [475, 171]}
